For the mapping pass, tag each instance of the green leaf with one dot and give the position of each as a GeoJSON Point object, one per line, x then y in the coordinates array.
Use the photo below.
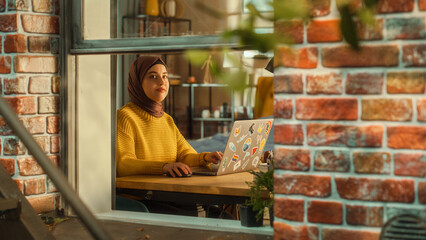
{"type": "Point", "coordinates": [197, 57]}
{"type": "Point", "coordinates": [348, 28]}
{"type": "Point", "coordinates": [370, 3]}
{"type": "Point", "coordinates": [290, 9]}
{"type": "Point", "coordinates": [366, 16]}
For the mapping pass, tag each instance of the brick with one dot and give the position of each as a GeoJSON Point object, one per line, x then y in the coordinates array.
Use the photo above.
{"type": "Point", "coordinates": [56, 83]}
{"type": "Point", "coordinates": [36, 64]}
{"type": "Point", "coordinates": [39, 85]}
{"type": "Point", "coordinates": [393, 6]}
{"type": "Point", "coordinates": [292, 30]}
{"type": "Point", "coordinates": [5, 130]}
{"type": "Point", "coordinates": [40, 23]}
{"type": "Point", "coordinates": [332, 160]}
{"type": "Point", "coordinates": [372, 162]}
{"type": "Point", "coordinates": [414, 55]}
{"type": "Point", "coordinates": [364, 83]}
{"type": "Point", "coordinates": [42, 204]}
{"type": "Point", "coordinates": [421, 110]}
{"type": "Point", "coordinates": [422, 192]}
{"type": "Point", "coordinates": [407, 137]}
{"type": "Point", "coordinates": [8, 23]}
{"type": "Point", "coordinates": [53, 124]}
{"type": "Point", "coordinates": [34, 186]}
{"type": "Point", "coordinates": [9, 165]}
{"type": "Point", "coordinates": [387, 109]}
{"type": "Point", "coordinates": [306, 57]}
{"type": "Point", "coordinates": [42, 6]}
{"type": "Point", "coordinates": [406, 82]}
{"type": "Point", "coordinates": [292, 159]}
{"type": "Point", "coordinates": [50, 186]}
{"type": "Point", "coordinates": [23, 105]}
{"type": "Point", "coordinates": [410, 164]}
{"type": "Point", "coordinates": [283, 231]}
{"type": "Point", "coordinates": [2, 5]}
{"type": "Point", "coordinates": [35, 125]}
{"type": "Point", "coordinates": [327, 108]}
{"type": "Point", "coordinates": [15, 43]}
{"type": "Point", "coordinates": [422, 5]}
{"type": "Point", "coordinates": [405, 28]}
{"type": "Point", "coordinates": [307, 185]}
{"type": "Point", "coordinates": [344, 136]}
{"type": "Point", "coordinates": [370, 32]}
{"type": "Point", "coordinates": [289, 83]}
{"type": "Point", "coordinates": [324, 83]}
{"type": "Point", "coordinates": [54, 45]}
{"type": "Point", "coordinates": [48, 104]}
{"type": "Point", "coordinates": [5, 64]}
{"type": "Point", "coordinates": [43, 142]}
{"type": "Point", "coordinates": [54, 159]}
{"type": "Point", "coordinates": [54, 144]}
{"type": "Point", "coordinates": [367, 56]}
{"type": "Point", "coordinates": [21, 5]}
{"type": "Point", "coordinates": [16, 85]}
{"type": "Point", "coordinates": [325, 212]}
{"type": "Point", "coordinates": [324, 31]}
{"type": "Point", "coordinates": [339, 234]}
{"type": "Point", "coordinates": [39, 44]}
{"type": "Point", "coordinates": [382, 190]}
{"type": "Point", "coordinates": [28, 166]}
{"type": "Point", "coordinates": [364, 215]}
{"type": "Point", "coordinates": [288, 134]}
{"type": "Point", "coordinates": [320, 8]}
{"type": "Point", "coordinates": [20, 184]}
{"type": "Point", "coordinates": [289, 209]}
{"type": "Point", "coordinates": [283, 108]}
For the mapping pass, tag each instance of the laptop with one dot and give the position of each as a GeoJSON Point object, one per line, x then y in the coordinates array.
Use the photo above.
{"type": "Point", "coordinates": [243, 150]}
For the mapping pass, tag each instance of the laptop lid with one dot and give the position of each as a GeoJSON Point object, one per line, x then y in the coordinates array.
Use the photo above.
{"type": "Point", "coordinates": [245, 146]}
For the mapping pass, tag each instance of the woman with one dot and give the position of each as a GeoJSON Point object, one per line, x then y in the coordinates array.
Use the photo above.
{"type": "Point", "coordinates": [148, 141]}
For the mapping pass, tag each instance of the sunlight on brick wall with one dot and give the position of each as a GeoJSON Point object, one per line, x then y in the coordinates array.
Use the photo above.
{"type": "Point", "coordinates": [350, 127]}
{"type": "Point", "coordinates": [29, 80]}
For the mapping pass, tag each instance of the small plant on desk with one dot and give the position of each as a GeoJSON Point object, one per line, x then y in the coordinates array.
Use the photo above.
{"type": "Point", "coordinates": [261, 192]}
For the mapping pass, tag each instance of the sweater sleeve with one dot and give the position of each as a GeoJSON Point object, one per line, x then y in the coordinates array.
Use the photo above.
{"type": "Point", "coordinates": [186, 153]}
{"type": "Point", "coordinates": [127, 161]}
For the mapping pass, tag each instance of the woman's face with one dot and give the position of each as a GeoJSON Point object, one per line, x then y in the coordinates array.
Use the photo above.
{"type": "Point", "coordinates": [156, 83]}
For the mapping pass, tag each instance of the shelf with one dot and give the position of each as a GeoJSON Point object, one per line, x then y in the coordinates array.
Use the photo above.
{"type": "Point", "coordinates": [213, 119]}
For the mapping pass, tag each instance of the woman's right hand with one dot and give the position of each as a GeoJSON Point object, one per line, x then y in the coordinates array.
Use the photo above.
{"type": "Point", "coordinates": [173, 168]}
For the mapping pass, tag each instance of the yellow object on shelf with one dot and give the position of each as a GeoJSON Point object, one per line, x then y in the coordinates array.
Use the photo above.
{"type": "Point", "coordinates": [152, 8]}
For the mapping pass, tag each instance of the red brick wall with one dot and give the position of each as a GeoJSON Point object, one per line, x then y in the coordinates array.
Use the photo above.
{"type": "Point", "coordinates": [29, 80]}
{"type": "Point", "coordinates": [350, 127]}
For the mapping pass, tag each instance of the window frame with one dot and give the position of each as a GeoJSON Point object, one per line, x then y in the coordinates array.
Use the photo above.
{"type": "Point", "coordinates": [73, 46]}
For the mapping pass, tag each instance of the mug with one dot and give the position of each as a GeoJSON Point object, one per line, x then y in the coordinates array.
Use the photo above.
{"type": "Point", "coordinates": [205, 114]}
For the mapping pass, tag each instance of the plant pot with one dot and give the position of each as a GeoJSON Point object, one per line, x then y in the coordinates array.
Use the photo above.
{"type": "Point", "coordinates": [271, 216]}
{"type": "Point", "coordinates": [248, 217]}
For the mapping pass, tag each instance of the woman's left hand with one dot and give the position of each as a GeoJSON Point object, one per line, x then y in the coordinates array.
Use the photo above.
{"type": "Point", "coordinates": [213, 157]}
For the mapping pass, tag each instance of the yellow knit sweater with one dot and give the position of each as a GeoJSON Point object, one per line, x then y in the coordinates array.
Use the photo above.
{"type": "Point", "coordinates": [145, 143]}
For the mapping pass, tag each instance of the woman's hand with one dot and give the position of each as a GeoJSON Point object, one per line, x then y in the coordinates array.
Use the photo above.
{"type": "Point", "coordinates": [173, 168]}
{"type": "Point", "coordinates": [213, 157]}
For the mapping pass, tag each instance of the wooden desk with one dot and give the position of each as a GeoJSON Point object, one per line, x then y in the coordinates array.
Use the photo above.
{"type": "Point", "coordinates": [230, 189]}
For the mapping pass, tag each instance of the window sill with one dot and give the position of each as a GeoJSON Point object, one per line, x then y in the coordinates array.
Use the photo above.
{"type": "Point", "coordinates": [183, 222]}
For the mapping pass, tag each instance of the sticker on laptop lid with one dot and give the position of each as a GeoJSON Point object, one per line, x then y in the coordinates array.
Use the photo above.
{"type": "Point", "coordinates": [242, 138]}
{"type": "Point", "coordinates": [245, 164]}
{"type": "Point", "coordinates": [255, 161]}
{"type": "Point", "coordinates": [262, 144]}
{"type": "Point", "coordinates": [224, 160]}
{"type": "Point", "coordinates": [237, 165]}
{"type": "Point", "coordinates": [268, 127]}
{"type": "Point", "coordinates": [253, 150]}
{"type": "Point", "coordinates": [232, 146]}
{"type": "Point", "coordinates": [237, 131]}
{"type": "Point", "coordinates": [259, 129]}
{"type": "Point", "coordinates": [245, 156]}
{"type": "Point", "coordinates": [247, 144]}
{"type": "Point", "coordinates": [235, 158]}
{"type": "Point", "coordinates": [251, 129]}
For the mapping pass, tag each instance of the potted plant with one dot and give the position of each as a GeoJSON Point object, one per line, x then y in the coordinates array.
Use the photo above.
{"type": "Point", "coordinates": [261, 193]}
